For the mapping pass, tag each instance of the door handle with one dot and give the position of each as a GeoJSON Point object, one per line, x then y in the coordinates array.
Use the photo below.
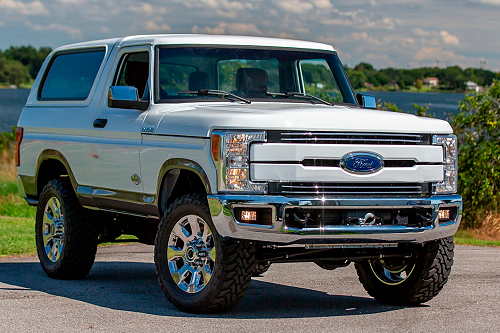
{"type": "Point", "coordinates": [100, 123]}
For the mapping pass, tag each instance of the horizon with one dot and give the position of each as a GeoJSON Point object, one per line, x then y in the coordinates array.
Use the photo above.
{"type": "Point", "coordinates": [394, 33]}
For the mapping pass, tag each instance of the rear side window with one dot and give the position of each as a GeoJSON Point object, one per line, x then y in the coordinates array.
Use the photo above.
{"type": "Point", "coordinates": [71, 76]}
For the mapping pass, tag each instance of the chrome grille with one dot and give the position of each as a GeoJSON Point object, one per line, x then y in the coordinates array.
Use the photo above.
{"type": "Point", "coordinates": [348, 188]}
{"type": "Point", "coordinates": [348, 138]}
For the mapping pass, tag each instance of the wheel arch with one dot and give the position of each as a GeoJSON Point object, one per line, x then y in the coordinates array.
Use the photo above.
{"type": "Point", "coordinates": [174, 174]}
{"type": "Point", "coordinates": [52, 164]}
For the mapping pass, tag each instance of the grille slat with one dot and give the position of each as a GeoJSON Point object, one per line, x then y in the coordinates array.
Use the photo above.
{"type": "Point", "coordinates": [348, 188]}
{"type": "Point", "coordinates": [348, 138]}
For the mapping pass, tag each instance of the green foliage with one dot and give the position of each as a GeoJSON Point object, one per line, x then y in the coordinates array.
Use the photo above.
{"type": "Point", "coordinates": [418, 84]}
{"type": "Point", "coordinates": [28, 56]}
{"type": "Point", "coordinates": [6, 139]}
{"type": "Point", "coordinates": [357, 78]}
{"type": "Point", "coordinates": [450, 78]}
{"type": "Point", "coordinates": [13, 72]}
{"type": "Point", "coordinates": [477, 126]}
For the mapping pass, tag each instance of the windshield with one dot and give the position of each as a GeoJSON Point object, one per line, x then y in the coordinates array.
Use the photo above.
{"type": "Point", "coordinates": [185, 74]}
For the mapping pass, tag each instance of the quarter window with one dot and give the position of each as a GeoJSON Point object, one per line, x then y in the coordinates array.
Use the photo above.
{"type": "Point", "coordinates": [71, 76]}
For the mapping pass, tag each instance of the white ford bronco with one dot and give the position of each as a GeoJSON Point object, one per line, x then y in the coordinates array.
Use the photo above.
{"type": "Point", "coordinates": [230, 154]}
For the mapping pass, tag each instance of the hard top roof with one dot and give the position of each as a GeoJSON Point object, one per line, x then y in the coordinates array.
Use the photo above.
{"type": "Point", "coordinates": [191, 39]}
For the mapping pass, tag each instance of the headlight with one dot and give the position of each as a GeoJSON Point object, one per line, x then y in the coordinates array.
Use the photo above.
{"type": "Point", "coordinates": [231, 154]}
{"type": "Point", "coordinates": [450, 155]}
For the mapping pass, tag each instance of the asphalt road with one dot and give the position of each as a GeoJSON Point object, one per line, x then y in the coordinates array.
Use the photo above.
{"type": "Point", "coordinates": [121, 295]}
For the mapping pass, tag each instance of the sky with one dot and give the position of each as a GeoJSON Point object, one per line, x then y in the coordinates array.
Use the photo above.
{"type": "Point", "coordinates": [390, 33]}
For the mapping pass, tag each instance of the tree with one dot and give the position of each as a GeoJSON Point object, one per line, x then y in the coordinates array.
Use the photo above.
{"type": "Point", "coordinates": [13, 72]}
{"type": "Point", "coordinates": [477, 126]}
{"type": "Point", "coordinates": [418, 84]}
{"type": "Point", "coordinates": [357, 78]}
{"type": "Point", "coordinates": [363, 66]}
{"type": "Point", "coordinates": [28, 56]}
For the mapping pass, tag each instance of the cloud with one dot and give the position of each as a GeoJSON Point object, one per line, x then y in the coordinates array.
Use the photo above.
{"type": "Point", "coordinates": [420, 32]}
{"type": "Point", "coordinates": [490, 2]}
{"type": "Point", "coordinates": [434, 53]}
{"type": "Point", "coordinates": [338, 21]}
{"type": "Point", "coordinates": [73, 32]}
{"type": "Point", "coordinates": [323, 4]}
{"type": "Point", "coordinates": [363, 36]}
{"type": "Point", "coordinates": [146, 8]}
{"type": "Point", "coordinates": [2, 23]}
{"type": "Point", "coordinates": [157, 25]}
{"type": "Point", "coordinates": [294, 6]}
{"type": "Point", "coordinates": [231, 28]}
{"type": "Point", "coordinates": [448, 38]}
{"type": "Point", "coordinates": [385, 23]}
{"type": "Point", "coordinates": [442, 36]}
{"type": "Point", "coordinates": [24, 8]}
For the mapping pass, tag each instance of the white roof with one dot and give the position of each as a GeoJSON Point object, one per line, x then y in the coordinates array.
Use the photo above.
{"type": "Point", "coordinates": [184, 39]}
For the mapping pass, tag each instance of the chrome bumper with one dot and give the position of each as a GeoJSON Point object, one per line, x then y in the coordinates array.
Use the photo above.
{"type": "Point", "coordinates": [222, 210]}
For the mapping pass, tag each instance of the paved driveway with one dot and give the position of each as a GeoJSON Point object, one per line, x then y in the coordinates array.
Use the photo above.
{"type": "Point", "coordinates": [121, 294]}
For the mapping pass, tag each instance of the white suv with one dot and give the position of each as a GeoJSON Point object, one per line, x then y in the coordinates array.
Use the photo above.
{"type": "Point", "coordinates": [229, 154]}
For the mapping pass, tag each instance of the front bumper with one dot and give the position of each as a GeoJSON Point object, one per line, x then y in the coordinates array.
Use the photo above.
{"type": "Point", "coordinates": [222, 211]}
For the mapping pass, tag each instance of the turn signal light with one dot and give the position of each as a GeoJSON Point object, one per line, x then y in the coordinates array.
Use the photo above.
{"type": "Point", "coordinates": [215, 147]}
{"type": "Point", "coordinates": [248, 215]}
{"type": "Point", "coordinates": [444, 214]}
{"type": "Point", "coordinates": [19, 138]}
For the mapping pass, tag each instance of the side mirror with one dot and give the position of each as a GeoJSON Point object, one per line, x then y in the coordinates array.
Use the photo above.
{"type": "Point", "coordinates": [366, 101]}
{"type": "Point", "coordinates": [125, 97]}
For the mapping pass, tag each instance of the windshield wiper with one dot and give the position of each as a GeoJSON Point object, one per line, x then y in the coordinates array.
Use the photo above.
{"type": "Point", "coordinates": [221, 93]}
{"type": "Point", "coordinates": [299, 95]}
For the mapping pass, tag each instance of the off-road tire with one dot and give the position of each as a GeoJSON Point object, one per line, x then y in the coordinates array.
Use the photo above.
{"type": "Point", "coordinates": [234, 263]}
{"type": "Point", "coordinates": [260, 268]}
{"type": "Point", "coordinates": [432, 267]}
{"type": "Point", "coordinates": [80, 235]}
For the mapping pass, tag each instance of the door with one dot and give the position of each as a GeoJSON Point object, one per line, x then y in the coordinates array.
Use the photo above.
{"type": "Point", "coordinates": [114, 149]}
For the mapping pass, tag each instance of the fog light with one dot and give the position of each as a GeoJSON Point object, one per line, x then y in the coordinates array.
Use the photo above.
{"type": "Point", "coordinates": [248, 215]}
{"type": "Point", "coordinates": [444, 214]}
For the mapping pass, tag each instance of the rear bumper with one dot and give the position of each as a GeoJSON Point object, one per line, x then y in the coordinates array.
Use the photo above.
{"type": "Point", "coordinates": [222, 211]}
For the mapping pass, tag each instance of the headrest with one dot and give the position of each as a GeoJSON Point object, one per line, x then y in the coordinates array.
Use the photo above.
{"type": "Point", "coordinates": [252, 80]}
{"type": "Point", "coordinates": [198, 80]}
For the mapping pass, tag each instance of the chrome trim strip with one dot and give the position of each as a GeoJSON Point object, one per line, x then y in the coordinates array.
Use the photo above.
{"type": "Point", "coordinates": [129, 213]}
{"type": "Point", "coordinates": [350, 139]}
{"type": "Point", "coordinates": [221, 207]}
{"type": "Point", "coordinates": [353, 134]}
{"type": "Point", "coordinates": [350, 246]}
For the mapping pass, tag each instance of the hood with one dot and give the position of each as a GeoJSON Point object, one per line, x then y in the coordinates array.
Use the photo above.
{"type": "Point", "coordinates": [201, 118]}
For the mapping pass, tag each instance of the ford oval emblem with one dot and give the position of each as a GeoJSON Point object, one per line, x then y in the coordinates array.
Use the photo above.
{"type": "Point", "coordinates": [362, 163]}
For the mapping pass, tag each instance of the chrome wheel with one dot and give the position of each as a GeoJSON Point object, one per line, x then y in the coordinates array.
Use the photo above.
{"type": "Point", "coordinates": [53, 229]}
{"type": "Point", "coordinates": [191, 253]}
{"type": "Point", "coordinates": [392, 271]}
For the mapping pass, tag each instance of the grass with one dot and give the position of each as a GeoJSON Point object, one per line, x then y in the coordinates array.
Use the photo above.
{"type": "Point", "coordinates": [17, 236]}
{"type": "Point", "coordinates": [467, 237]}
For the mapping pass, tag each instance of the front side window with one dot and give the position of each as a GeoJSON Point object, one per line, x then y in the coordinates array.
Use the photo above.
{"type": "Point", "coordinates": [134, 72]}
{"type": "Point", "coordinates": [71, 76]}
{"type": "Point", "coordinates": [184, 73]}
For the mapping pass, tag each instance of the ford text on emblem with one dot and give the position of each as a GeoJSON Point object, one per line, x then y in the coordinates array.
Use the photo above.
{"type": "Point", "coordinates": [361, 163]}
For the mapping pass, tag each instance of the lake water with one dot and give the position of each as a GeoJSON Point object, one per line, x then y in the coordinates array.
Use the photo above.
{"type": "Point", "coordinates": [441, 104]}
{"type": "Point", "coordinates": [11, 104]}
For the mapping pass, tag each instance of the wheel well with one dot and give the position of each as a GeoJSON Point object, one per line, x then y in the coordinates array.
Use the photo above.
{"type": "Point", "coordinates": [49, 169]}
{"type": "Point", "coordinates": [176, 183]}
